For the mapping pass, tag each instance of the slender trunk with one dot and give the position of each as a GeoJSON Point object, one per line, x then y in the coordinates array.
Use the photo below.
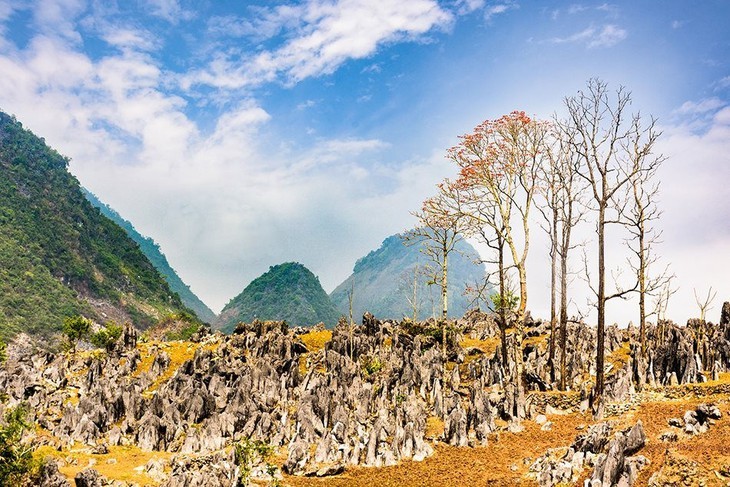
{"type": "Point", "coordinates": [600, 325]}
{"type": "Point", "coordinates": [444, 298]}
{"type": "Point", "coordinates": [502, 309]}
{"type": "Point", "coordinates": [642, 291]}
{"type": "Point", "coordinates": [553, 286]}
{"type": "Point", "coordinates": [415, 295]}
{"type": "Point", "coordinates": [519, 334]}
{"type": "Point", "coordinates": [564, 299]}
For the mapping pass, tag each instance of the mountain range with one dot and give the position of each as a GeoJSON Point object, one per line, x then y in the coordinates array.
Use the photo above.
{"type": "Point", "coordinates": [389, 280]}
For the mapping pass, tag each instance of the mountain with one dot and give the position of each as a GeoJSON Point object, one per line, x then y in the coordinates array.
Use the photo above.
{"type": "Point", "coordinates": [383, 282]}
{"type": "Point", "coordinates": [59, 256]}
{"type": "Point", "coordinates": [152, 251]}
{"type": "Point", "coordinates": [286, 292]}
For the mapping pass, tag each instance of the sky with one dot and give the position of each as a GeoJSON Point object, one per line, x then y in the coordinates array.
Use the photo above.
{"type": "Point", "coordinates": [240, 135]}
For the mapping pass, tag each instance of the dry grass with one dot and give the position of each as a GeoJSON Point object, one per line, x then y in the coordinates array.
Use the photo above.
{"type": "Point", "coordinates": [179, 352]}
{"type": "Point", "coordinates": [315, 340]}
{"type": "Point", "coordinates": [488, 346]}
{"type": "Point", "coordinates": [121, 463]}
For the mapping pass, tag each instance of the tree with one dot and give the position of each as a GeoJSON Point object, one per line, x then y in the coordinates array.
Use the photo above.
{"type": "Point", "coordinates": [16, 456]}
{"type": "Point", "coordinates": [607, 142]}
{"type": "Point", "coordinates": [438, 231]}
{"type": "Point", "coordinates": [640, 212]}
{"type": "Point", "coordinates": [562, 193]}
{"type": "Point", "coordinates": [107, 337]}
{"type": "Point", "coordinates": [76, 328]}
{"type": "Point", "coordinates": [499, 166]}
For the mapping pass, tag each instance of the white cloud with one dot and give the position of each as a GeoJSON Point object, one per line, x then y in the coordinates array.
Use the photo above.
{"type": "Point", "coordinates": [676, 24]}
{"type": "Point", "coordinates": [499, 8]}
{"type": "Point", "coordinates": [327, 35]}
{"type": "Point", "coordinates": [609, 35]}
{"type": "Point", "coordinates": [169, 10]}
{"type": "Point", "coordinates": [700, 107]}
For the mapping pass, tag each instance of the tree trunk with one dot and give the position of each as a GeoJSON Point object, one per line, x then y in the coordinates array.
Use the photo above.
{"type": "Point", "coordinates": [553, 285]}
{"type": "Point", "coordinates": [444, 298]}
{"type": "Point", "coordinates": [642, 292]}
{"type": "Point", "coordinates": [601, 324]}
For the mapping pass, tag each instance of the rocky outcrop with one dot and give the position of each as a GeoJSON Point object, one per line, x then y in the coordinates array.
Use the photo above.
{"type": "Point", "coordinates": [613, 460]}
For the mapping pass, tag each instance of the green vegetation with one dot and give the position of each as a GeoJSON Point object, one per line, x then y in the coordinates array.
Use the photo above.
{"type": "Point", "coordinates": [184, 326]}
{"type": "Point", "coordinates": [107, 337]}
{"type": "Point", "coordinates": [58, 254]}
{"type": "Point", "coordinates": [152, 251]}
{"type": "Point", "coordinates": [17, 466]}
{"type": "Point", "coordinates": [248, 453]}
{"type": "Point", "coordinates": [76, 328]}
{"type": "Point", "coordinates": [3, 352]}
{"type": "Point", "coordinates": [287, 292]}
{"type": "Point", "coordinates": [384, 282]}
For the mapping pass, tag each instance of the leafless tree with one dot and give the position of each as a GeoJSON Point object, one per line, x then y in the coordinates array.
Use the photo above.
{"type": "Point", "coordinates": [440, 228]}
{"type": "Point", "coordinates": [604, 129]}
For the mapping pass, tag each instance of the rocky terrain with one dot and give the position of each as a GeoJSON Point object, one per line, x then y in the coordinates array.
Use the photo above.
{"type": "Point", "coordinates": [272, 404]}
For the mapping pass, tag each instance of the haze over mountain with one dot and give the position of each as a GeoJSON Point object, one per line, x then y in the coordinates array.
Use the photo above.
{"type": "Point", "coordinates": [288, 292]}
{"type": "Point", "coordinates": [152, 251]}
{"type": "Point", "coordinates": [383, 282]}
{"type": "Point", "coordinates": [59, 256]}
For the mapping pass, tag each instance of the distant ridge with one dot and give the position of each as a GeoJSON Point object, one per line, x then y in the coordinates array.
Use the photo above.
{"type": "Point", "coordinates": [383, 282]}
{"type": "Point", "coordinates": [152, 250]}
{"type": "Point", "coordinates": [288, 292]}
{"type": "Point", "coordinates": [59, 256]}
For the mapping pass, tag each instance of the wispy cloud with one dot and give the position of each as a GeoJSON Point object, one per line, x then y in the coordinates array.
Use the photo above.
{"type": "Point", "coordinates": [320, 36]}
{"type": "Point", "coordinates": [492, 10]}
{"type": "Point", "coordinates": [607, 36]}
{"type": "Point", "coordinates": [701, 107]}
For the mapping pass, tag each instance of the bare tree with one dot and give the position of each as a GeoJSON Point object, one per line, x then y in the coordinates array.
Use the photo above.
{"type": "Point", "coordinates": [438, 232]}
{"type": "Point", "coordinates": [640, 212]}
{"type": "Point", "coordinates": [705, 303]}
{"type": "Point", "coordinates": [562, 193]}
{"type": "Point", "coordinates": [499, 171]}
{"type": "Point", "coordinates": [603, 131]}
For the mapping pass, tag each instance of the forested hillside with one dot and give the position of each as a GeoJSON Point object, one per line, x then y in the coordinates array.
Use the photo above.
{"type": "Point", "coordinates": [152, 251]}
{"type": "Point", "coordinates": [58, 255]}
{"type": "Point", "coordinates": [287, 292]}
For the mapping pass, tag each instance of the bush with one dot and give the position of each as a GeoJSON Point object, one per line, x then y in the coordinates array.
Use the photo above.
{"type": "Point", "coordinates": [107, 337]}
{"type": "Point", "coordinates": [76, 328]}
{"type": "Point", "coordinates": [17, 466]}
{"type": "Point", "coordinates": [247, 454]}
{"type": "Point", "coordinates": [3, 351]}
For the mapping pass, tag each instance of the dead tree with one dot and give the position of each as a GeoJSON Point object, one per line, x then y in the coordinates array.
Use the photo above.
{"type": "Point", "coordinates": [603, 130]}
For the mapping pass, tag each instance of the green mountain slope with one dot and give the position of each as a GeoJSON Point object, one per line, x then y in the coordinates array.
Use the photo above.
{"type": "Point", "coordinates": [152, 251]}
{"type": "Point", "coordinates": [383, 282]}
{"type": "Point", "coordinates": [58, 255]}
{"type": "Point", "coordinates": [286, 292]}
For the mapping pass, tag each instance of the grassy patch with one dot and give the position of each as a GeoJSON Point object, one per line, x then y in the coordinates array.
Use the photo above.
{"type": "Point", "coordinates": [315, 340]}
{"type": "Point", "coordinates": [119, 464]}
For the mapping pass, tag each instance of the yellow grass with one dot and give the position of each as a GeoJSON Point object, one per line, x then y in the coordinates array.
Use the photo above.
{"type": "Point", "coordinates": [119, 464]}
{"type": "Point", "coordinates": [315, 340]}
{"type": "Point", "coordinates": [488, 346]}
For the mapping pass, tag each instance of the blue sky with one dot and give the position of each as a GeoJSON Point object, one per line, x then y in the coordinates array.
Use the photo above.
{"type": "Point", "coordinates": [244, 134]}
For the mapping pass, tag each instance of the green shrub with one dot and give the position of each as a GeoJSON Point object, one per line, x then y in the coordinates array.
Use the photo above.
{"type": "Point", "coordinates": [247, 453]}
{"type": "Point", "coordinates": [76, 328]}
{"type": "Point", "coordinates": [17, 466]}
{"type": "Point", "coordinates": [3, 351]}
{"type": "Point", "coordinates": [107, 337]}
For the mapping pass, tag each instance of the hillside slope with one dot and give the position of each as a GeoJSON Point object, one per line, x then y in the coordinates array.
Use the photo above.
{"type": "Point", "coordinates": [286, 292]}
{"type": "Point", "coordinates": [383, 282]}
{"type": "Point", "coordinates": [152, 251]}
{"type": "Point", "coordinates": [58, 255]}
